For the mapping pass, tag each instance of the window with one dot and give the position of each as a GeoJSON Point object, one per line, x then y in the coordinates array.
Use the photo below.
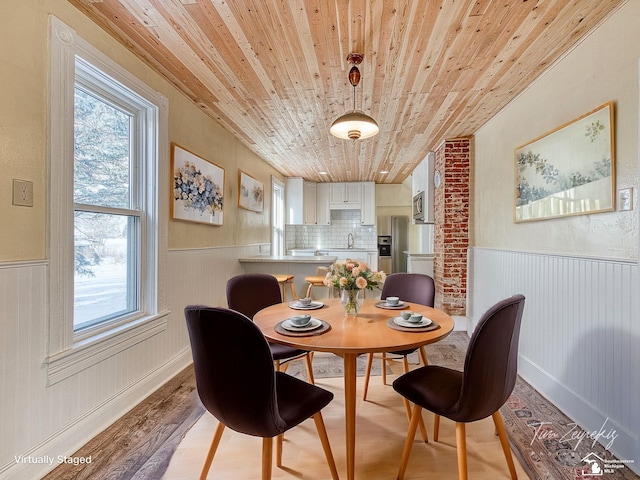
{"type": "Point", "coordinates": [277, 217]}
{"type": "Point", "coordinates": [105, 221]}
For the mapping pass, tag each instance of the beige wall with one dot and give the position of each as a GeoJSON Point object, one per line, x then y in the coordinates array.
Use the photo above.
{"type": "Point", "coordinates": [603, 67]}
{"type": "Point", "coordinates": [23, 135]}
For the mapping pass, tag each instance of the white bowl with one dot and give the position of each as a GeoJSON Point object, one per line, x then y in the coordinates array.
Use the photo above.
{"type": "Point", "coordinates": [300, 320]}
{"type": "Point", "coordinates": [393, 301]}
{"type": "Point", "coordinates": [305, 301]}
{"type": "Point", "coordinates": [415, 318]}
{"type": "Point", "coordinates": [406, 314]}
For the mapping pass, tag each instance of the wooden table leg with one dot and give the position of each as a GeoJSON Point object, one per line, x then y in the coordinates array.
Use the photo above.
{"type": "Point", "coordinates": [350, 411]}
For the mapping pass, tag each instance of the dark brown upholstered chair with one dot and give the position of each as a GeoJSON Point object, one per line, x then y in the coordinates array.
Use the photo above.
{"type": "Point", "coordinates": [250, 293]}
{"type": "Point", "coordinates": [248, 395]}
{"type": "Point", "coordinates": [410, 287]}
{"type": "Point", "coordinates": [488, 378]}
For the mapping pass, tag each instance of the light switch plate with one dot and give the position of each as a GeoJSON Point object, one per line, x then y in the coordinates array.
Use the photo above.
{"type": "Point", "coordinates": [22, 193]}
{"type": "Point", "coordinates": [625, 199]}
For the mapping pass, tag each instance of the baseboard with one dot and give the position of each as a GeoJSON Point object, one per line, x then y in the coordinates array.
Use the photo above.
{"type": "Point", "coordinates": [461, 324]}
{"type": "Point", "coordinates": [586, 416]}
{"type": "Point", "coordinates": [44, 457]}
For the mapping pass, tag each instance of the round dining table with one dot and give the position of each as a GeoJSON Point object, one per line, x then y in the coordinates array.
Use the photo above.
{"type": "Point", "coordinates": [371, 331]}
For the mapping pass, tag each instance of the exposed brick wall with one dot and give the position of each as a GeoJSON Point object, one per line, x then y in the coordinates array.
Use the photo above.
{"type": "Point", "coordinates": [451, 233]}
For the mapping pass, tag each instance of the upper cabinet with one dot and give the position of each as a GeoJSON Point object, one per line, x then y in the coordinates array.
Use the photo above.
{"type": "Point", "coordinates": [323, 212]}
{"type": "Point", "coordinates": [310, 203]}
{"type": "Point", "coordinates": [424, 181]}
{"type": "Point", "coordinates": [345, 195]}
{"type": "Point", "coordinates": [368, 209]}
{"type": "Point", "coordinates": [300, 201]}
{"type": "Point", "coordinates": [422, 178]}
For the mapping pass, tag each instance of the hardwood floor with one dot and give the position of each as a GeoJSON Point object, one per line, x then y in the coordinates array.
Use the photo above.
{"type": "Point", "coordinates": [381, 430]}
{"type": "Point", "coordinates": [140, 444]}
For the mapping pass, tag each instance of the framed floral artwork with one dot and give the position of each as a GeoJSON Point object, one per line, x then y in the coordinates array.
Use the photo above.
{"type": "Point", "coordinates": [250, 192]}
{"type": "Point", "coordinates": [198, 188]}
{"type": "Point", "coordinates": [568, 171]}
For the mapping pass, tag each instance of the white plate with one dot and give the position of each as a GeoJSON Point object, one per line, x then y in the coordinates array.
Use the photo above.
{"type": "Point", "coordinates": [312, 306]}
{"type": "Point", "coordinates": [425, 322]}
{"type": "Point", "coordinates": [384, 304]}
{"type": "Point", "coordinates": [312, 325]}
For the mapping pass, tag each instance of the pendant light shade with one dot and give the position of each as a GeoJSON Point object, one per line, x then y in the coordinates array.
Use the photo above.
{"type": "Point", "coordinates": [354, 124]}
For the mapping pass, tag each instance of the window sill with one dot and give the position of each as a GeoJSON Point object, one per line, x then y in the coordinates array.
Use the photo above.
{"type": "Point", "coordinates": [93, 350]}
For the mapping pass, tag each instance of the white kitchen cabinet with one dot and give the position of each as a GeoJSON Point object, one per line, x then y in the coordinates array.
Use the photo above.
{"type": "Point", "coordinates": [345, 195]}
{"type": "Point", "coordinates": [309, 216]}
{"type": "Point", "coordinates": [422, 176]}
{"type": "Point", "coordinates": [300, 201]}
{"type": "Point", "coordinates": [368, 209]}
{"type": "Point", "coordinates": [420, 264]}
{"type": "Point", "coordinates": [372, 260]}
{"type": "Point", "coordinates": [323, 212]}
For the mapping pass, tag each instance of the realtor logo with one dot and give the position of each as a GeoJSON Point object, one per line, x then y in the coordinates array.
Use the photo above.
{"type": "Point", "coordinates": [595, 466]}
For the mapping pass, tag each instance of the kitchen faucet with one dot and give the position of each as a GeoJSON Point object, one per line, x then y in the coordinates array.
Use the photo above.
{"type": "Point", "coordinates": [350, 241]}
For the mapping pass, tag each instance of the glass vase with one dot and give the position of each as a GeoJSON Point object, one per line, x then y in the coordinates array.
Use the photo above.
{"type": "Point", "coordinates": [351, 300]}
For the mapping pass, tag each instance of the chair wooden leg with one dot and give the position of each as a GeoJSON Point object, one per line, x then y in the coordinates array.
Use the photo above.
{"type": "Point", "coordinates": [461, 442]}
{"type": "Point", "coordinates": [309, 290]}
{"type": "Point", "coordinates": [309, 363]}
{"type": "Point", "coordinates": [279, 440]}
{"type": "Point", "coordinates": [212, 450]}
{"type": "Point", "coordinates": [292, 287]}
{"type": "Point", "coordinates": [423, 355]}
{"type": "Point", "coordinates": [411, 434]}
{"type": "Point", "coordinates": [384, 368]}
{"type": "Point", "coordinates": [436, 427]}
{"type": "Point", "coordinates": [405, 364]}
{"type": "Point", "coordinates": [267, 452]}
{"type": "Point", "coordinates": [367, 376]}
{"type": "Point", "coordinates": [502, 435]}
{"type": "Point", "coordinates": [324, 439]}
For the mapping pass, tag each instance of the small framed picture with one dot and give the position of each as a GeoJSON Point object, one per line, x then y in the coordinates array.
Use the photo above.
{"type": "Point", "coordinates": [198, 188]}
{"type": "Point", "coordinates": [250, 192]}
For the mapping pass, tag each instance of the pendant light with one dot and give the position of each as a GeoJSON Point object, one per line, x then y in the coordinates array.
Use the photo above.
{"type": "Point", "coordinates": [354, 124]}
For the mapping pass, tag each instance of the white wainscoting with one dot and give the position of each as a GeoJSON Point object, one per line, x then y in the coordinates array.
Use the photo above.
{"type": "Point", "coordinates": [580, 333]}
{"type": "Point", "coordinates": [37, 421]}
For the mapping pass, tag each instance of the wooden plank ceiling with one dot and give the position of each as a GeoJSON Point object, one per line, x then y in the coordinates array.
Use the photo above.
{"type": "Point", "coordinates": [274, 72]}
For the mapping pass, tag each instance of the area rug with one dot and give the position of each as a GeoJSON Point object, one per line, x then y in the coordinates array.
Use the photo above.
{"type": "Point", "coordinates": [539, 433]}
{"type": "Point", "coordinates": [328, 365]}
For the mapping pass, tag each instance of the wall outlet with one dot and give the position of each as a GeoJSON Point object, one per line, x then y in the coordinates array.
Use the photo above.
{"type": "Point", "coordinates": [22, 193]}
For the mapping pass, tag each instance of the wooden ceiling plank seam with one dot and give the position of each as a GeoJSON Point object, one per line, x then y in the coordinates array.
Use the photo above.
{"type": "Point", "coordinates": [188, 57]}
{"type": "Point", "coordinates": [297, 92]}
{"type": "Point", "coordinates": [300, 25]}
{"type": "Point", "coordinates": [406, 110]}
{"type": "Point", "coordinates": [219, 50]}
{"type": "Point", "coordinates": [275, 102]}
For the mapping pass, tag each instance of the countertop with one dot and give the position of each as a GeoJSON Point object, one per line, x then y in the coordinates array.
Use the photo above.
{"type": "Point", "coordinates": [322, 259]}
{"type": "Point", "coordinates": [416, 254]}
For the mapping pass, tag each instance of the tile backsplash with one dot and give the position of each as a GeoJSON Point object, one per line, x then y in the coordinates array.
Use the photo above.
{"type": "Point", "coordinates": [343, 222]}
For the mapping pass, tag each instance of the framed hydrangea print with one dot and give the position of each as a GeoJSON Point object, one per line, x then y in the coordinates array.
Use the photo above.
{"type": "Point", "coordinates": [568, 171]}
{"type": "Point", "coordinates": [198, 188]}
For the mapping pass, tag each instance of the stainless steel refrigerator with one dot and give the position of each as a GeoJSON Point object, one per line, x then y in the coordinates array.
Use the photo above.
{"type": "Point", "coordinates": [398, 228]}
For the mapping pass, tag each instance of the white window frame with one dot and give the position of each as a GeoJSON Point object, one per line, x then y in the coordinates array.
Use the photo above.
{"type": "Point", "coordinates": [277, 218]}
{"type": "Point", "coordinates": [69, 352]}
